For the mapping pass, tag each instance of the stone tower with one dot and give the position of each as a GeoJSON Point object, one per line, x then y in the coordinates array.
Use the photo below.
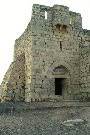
{"type": "Point", "coordinates": [51, 58]}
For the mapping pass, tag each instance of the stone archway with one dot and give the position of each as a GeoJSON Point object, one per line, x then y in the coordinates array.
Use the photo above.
{"type": "Point", "coordinates": [58, 69]}
{"type": "Point", "coordinates": [62, 81]}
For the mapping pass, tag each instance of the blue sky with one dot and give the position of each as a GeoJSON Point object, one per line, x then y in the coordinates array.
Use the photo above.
{"type": "Point", "coordinates": [15, 16]}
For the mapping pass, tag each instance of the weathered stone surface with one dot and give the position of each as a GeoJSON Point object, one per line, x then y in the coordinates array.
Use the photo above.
{"type": "Point", "coordinates": [55, 41]}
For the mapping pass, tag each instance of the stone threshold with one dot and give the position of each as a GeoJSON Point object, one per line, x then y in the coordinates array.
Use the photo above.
{"type": "Point", "coordinates": [7, 107]}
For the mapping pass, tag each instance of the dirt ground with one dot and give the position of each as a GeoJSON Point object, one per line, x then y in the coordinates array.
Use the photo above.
{"type": "Point", "coordinates": [45, 120]}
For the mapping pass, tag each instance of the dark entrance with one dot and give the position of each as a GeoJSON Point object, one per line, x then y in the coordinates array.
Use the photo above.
{"type": "Point", "coordinates": [59, 86]}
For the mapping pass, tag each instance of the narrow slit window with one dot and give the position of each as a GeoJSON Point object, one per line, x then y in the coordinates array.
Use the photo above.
{"type": "Point", "coordinates": [45, 14]}
{"type": "Point", "coordinates": [60, 45]}
{"type": "Point", "coordinates": [81, 39]}
{"type": "Point", "coordinates": [70, 20]}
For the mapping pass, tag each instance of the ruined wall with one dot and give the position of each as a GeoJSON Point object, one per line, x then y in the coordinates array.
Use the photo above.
{"type": "Point", "coordinates": [23, 46]}
{"type": "Point", "coordinates": [52, 47]}
{"type": "Point", "coordinates": [85, 67]}
{"type": "Point", "coordinates": [13, 85]}
{"type": "Point", "coordinates": [75, 20]}
{"type": "Point", "coordinates": [3, 86]}
{"type": "Point", "coordinates": [16, 83]}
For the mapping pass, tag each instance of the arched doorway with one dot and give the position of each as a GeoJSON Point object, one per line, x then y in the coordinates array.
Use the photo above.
{"type": "Point", "coordinates": [62, 81]}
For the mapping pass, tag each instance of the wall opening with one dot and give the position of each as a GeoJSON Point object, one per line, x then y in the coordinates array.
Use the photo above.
{"type": "Point", "coordinates": [45, 14]}
{"type": "Point", "coordinates": [70, 20]}
{"type": "Point", "coordinates": [59, 85]}
{"type": "Point", "coordinates": [60, 45]}
{"type": "Point", "coordinates": [58, 27]}
{"type": "Point", "coordinates": [62, 28]}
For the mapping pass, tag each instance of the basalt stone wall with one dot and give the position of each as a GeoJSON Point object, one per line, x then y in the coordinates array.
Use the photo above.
{"type": "Point", "coordinates": [54, 45]}
{"type": "Point", "coordinates": [85, 68]}
{"type": "Point", "coordinates": [13, 85]}
{"type": "Point", "coordinates": [3, 86]}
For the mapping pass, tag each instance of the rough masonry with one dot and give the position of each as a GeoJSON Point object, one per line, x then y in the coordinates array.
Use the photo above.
{"type": "Point", "coordinates": [51, 58]}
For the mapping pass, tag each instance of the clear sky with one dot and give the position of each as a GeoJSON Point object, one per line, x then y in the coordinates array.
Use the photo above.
{"type": "Point", "coordinates": [15, 16]}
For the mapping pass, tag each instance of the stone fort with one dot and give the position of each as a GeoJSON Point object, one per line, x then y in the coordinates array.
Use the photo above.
{"type": "Point", "coordinates": [51, 58]}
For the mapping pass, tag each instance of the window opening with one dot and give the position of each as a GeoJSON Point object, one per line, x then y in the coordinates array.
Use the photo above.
{"type": "Point", "coordinates": [45, 14]}
{"type": "Point", "coordinates": [64, 28]}
{"type": "Point", "coordinates": [70, 20]}
{"type": "Point", "coordinates": [60, 45]}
